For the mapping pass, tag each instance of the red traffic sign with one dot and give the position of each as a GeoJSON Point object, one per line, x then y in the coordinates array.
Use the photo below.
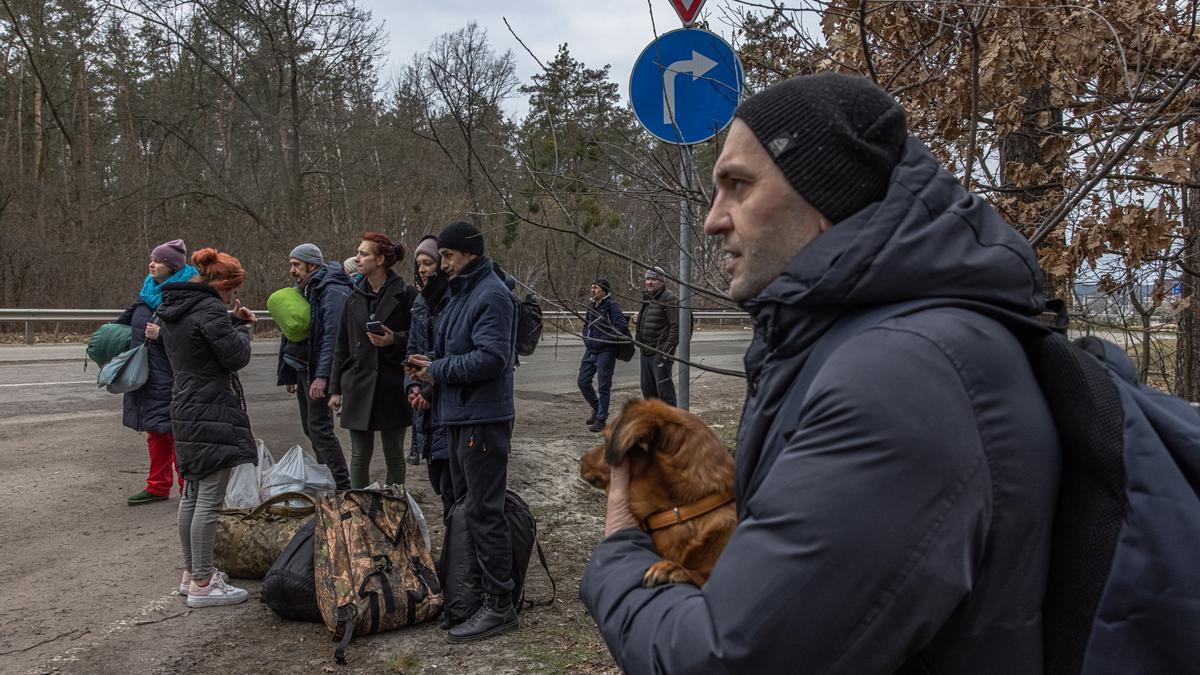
{"type": "Point", "coordinates": [687, 10]}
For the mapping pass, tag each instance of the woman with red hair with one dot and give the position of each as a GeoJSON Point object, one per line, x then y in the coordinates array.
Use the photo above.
{"type": "Point", "coordinates": [207, 346]}
{"type": "Point", "coordinates": [367, 383]}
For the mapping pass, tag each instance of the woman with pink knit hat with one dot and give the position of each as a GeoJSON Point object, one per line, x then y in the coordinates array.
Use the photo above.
{"type": "Point", "coordinates": [148, 409]}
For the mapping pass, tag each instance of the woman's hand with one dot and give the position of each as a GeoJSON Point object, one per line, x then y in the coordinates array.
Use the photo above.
{"type": "Point", "coordinates": [335, 402]}
{"type": "Point", "coordinates": [243, 313]}
{"type": "Point", "coordinates": [385, 339]}
{"type": "Point", "coordinates": [152, 331]}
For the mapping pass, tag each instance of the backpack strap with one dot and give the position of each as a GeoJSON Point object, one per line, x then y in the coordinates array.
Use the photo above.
{"type": "Point", "coordinates": [553, 586]}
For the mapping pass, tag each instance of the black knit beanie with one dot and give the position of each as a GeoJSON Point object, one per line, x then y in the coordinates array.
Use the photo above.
{"type": "Point", "coordinates": [461, 236]}
{"type": "Point", "coordinates": [603, 284]}
{"type": "Point", "coordinates": [835, 137]}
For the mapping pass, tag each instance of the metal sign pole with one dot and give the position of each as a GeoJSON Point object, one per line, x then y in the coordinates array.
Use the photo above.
{"type": "Point", "coordinates": [685, 277]}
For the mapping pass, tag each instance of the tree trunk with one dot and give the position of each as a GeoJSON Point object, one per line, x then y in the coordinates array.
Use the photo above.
{"type": "Point", "coordinates": [1187, 354]}
{"type": "Point", "coordinates": [40, 214]}
{"type": "Point", "coordinates": [1030, 159]}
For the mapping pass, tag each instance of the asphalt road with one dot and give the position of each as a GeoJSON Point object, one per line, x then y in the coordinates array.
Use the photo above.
{"type": "Point", "coordinates": [83, 571]}
{"type": "Point", "coordinates": [50, 383]}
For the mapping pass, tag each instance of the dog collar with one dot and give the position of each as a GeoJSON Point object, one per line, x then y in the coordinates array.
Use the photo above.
{"type": "Point", "coordinates": [681, 514]}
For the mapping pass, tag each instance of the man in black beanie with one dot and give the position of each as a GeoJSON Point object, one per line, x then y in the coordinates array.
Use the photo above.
{"type": "Point", "coordinates": [605, 327]}
{"type": "Point", "coordinates": [897, 464]}
{"type": "Point", "coordinates": [474, 349]}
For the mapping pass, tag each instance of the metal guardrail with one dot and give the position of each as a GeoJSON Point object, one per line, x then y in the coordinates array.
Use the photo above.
{"type": "Point", "coordinates": [32, 316]}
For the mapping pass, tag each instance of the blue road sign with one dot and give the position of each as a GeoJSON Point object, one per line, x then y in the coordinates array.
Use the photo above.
{"type": "Point", "coordinates": [685, 86]}
{"type": "Point", "coordinates": [1177, 289]}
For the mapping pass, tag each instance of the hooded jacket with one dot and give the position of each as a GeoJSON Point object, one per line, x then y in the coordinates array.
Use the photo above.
{"type": "Point", "coordinates": [605, 326]}
{"type": "Point", "coordinates": [901, 521]}
{"type": "Point", "coordinates": [474, 348]}
{"type": "Point", "coordinates": [326, 291]}
{"type": "Point", "coordinates": [206, 349]}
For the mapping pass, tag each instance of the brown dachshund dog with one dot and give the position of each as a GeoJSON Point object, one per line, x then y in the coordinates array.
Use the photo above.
{"type": "Point", "coordinates": [681, 486]}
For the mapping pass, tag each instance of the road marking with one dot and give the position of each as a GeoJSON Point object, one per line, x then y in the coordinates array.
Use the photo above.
{"type": "Point", "coordinates": [47, 384]}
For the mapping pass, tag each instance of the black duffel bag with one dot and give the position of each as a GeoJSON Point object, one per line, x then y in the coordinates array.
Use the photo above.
{"type": "Point", "coordinates": [289, 588]}
{"type": "Point", "coordinates": [459, 570]}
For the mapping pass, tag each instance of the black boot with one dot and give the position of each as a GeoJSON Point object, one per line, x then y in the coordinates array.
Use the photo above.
{"type": "Point", "coordinates": [592, 420]}
{"type": "Point", "coordinates": [487, 621]}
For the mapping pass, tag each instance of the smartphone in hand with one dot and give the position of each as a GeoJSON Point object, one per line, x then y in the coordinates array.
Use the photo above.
{"type": "Point", "coordinates": [375, 327]}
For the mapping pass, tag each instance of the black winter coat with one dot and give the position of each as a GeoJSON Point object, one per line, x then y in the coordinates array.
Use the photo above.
{"type": "Point", "coordinates": [432, 440]}
{"type": "Point", "coordinates": [901, 519]}
{"type": "Point", "coordinates": [369, 378]}
{"type": "Point", "coordinates": [206, 348]}
{"type": "Point", "coordinates": [148, 408]}
{"type": "Point", "coordinates": [658, 322]}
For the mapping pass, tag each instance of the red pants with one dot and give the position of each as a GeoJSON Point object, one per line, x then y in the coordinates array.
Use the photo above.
{"type": "Point", "coordinates": [162, 464]}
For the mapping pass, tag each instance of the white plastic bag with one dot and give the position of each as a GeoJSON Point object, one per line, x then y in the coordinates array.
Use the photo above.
{"type": "Point", "coordinates": [245, 482]}
{"type": "Point", "coordinates": [297, 471]}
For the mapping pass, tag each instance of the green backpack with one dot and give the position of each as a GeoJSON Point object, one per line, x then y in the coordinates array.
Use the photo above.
{"type": "Point", "coordinates": [290, 311]}
{"type": "Point", "coordinates": [108, 341]}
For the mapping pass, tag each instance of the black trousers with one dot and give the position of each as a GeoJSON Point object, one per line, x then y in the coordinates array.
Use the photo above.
{"type": "Point", "coordinates": [317, 420]}
{"type": "Point", "coordinates": [657, 381]}
{"type": "Point", "coordinates": [479, 470]}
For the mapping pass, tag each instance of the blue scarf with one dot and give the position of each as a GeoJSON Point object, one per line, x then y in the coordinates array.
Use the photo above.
{"type": "Point", "coordinates": [152, 290]}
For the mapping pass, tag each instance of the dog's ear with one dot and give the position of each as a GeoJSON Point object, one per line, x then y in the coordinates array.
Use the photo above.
{"type": "Point", "coordinates": [633, 432]}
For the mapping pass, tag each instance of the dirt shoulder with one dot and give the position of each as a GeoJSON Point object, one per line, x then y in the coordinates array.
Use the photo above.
{"type": "Point", "coordinates": [90, 592]}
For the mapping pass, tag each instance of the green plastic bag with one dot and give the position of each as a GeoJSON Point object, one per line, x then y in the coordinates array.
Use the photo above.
{"type": "Point", "coordinates": [108, 341]}
{"type": "Point", "coordinates": [290, 311]}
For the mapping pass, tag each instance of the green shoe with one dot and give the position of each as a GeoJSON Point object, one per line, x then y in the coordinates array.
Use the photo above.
{"type": "Point", "coordinates": [144, 497]}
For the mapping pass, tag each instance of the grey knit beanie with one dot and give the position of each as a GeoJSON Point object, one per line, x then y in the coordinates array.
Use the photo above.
{"type": "Point", "coordinates": [308, 253]}
{"type": "Point", "coordinates": [835, 137]}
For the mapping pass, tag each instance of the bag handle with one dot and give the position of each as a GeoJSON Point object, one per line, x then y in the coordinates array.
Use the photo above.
{"type": "Point", "coordinates": [279, 498]}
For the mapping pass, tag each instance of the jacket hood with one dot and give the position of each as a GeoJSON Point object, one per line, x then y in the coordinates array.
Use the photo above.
{"type": "Point", "coordinates": [927, 239]}
{"type": "Point", "coordinates": [180, 299]}
{"type": "Point", "coordinates": [331, 273]}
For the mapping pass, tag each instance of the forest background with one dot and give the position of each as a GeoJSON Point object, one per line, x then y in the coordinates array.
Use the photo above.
{"type": "Point", "coordinates": [253, 125]}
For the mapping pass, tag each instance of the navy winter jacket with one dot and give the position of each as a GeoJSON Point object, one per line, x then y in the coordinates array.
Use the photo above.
{"type": "Point", "coordinates": [326, 292]}
{"type": "Point", "coordinates": [432, 439]}
{"type": "Point", "coordinates": [901, 521]}
{"type": "Point", "coordinates": [149, 407]}
{"type": "Point", "coordinates": [605, 327]}
{"type": "Point", "coordinates": [474, 349]}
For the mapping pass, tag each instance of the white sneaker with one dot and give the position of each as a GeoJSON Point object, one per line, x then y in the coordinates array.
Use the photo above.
{"type": "Point", "coordinates": [186, 581]}
{"type": "Point", "coordinates": [218, 592]}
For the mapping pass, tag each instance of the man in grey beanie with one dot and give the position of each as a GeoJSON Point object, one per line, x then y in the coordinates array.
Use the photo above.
{"type": "Point", "coordinates": [897, 464]}
{"type": "Point", "coordinates": [304, 367]}
{"type": "Point", "coordinates": [658, 336]}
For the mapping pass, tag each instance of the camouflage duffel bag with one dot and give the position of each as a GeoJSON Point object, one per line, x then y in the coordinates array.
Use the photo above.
{"type": "Point", "coordinates": [373, 570]}
{"type": "Point", "coordinates": [249, 540]}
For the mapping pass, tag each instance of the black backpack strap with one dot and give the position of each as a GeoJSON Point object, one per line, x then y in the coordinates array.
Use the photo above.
{"type": "Point", "coordinates": [346, 619]}
{"type": "Point", "coordinates": [553, 586]}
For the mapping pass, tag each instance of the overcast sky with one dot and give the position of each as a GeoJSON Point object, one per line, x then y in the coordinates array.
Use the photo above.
{"type": "Point", "coordinates": [598, 32]}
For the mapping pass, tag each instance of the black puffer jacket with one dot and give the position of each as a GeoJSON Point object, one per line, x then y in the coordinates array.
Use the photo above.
{"type": "Point", "coordinates": [206, 348]}
{"type": "Point", "coordinates": [658, 322]}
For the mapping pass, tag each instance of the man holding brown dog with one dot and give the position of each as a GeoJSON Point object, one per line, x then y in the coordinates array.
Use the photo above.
{"type": "Point", "coordinates": [897, 465]}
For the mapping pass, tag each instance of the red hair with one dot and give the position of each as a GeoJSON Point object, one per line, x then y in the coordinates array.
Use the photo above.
{"type": "Point", "coordinates": [219, 270]}
{"type": "Point", "coordinates": [392, 253]}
